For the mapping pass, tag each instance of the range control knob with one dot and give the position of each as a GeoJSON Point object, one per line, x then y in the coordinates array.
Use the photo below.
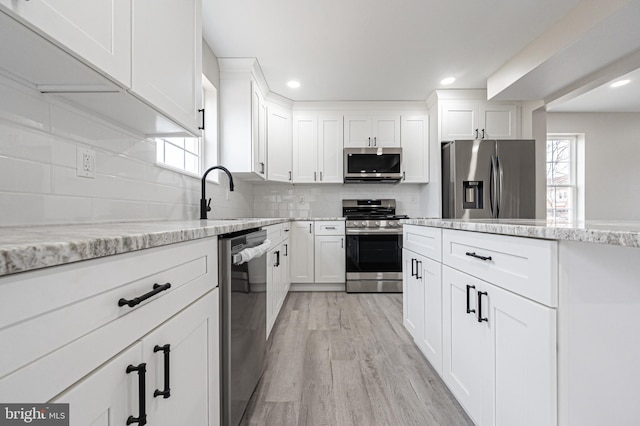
{"type": "Point", "coordinates": [377, 223]}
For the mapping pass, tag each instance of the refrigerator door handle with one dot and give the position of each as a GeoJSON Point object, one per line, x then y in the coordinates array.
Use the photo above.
{"type": "Point", "coordinates": [499, 200]}
{"type": "Point", "coordinates": [493, 188]}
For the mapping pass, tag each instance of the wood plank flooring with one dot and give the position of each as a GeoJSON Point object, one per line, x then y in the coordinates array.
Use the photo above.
{"type": "Point", "coordinates": [346, 359]}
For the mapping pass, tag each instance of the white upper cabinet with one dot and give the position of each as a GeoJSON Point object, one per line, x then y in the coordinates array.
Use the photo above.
{"type": "Point", "coordinates": [279, 144]}
{"type": "Point", "coordinates": [372, 130]}
{"type": "Point", "coordinates": [415, 149]}
{"type": "Point", "coordinates": [317, 148]}
{"type": "Point", "coordinates": [473, 119]}
{"type": "Point", "coordinates": [243, 119]}
{"type": "Point", "coordinates": [137, 64]}
{"type": "Point", "coordinates": [167, 57]}
{"type": "Point", "coordinates": [98, 31]}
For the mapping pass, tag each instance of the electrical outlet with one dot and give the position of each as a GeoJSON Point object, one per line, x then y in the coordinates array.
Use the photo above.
{"type": "Point", "coordinates": [85, 162]}
{"type": "Point", "coordinates": [413, 199]}
{"type": "Point", "coordinates": [301, 199]}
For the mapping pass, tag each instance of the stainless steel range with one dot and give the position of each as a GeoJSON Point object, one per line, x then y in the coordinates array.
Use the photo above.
{"type": "Point", "coordinates": [374, 246]}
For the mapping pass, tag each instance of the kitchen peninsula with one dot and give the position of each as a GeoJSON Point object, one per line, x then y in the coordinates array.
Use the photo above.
{"type": "Point", "coordinates": [552, 310]}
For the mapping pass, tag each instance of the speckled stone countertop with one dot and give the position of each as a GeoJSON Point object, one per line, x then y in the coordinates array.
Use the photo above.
{"type": "Point", "coordinates": [27, 248]}
{"type": "Point", "coordinates": [619, 233]}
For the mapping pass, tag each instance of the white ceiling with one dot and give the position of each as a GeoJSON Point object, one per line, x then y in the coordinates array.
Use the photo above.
{"type": "Point", "coordinates": [364, 50]}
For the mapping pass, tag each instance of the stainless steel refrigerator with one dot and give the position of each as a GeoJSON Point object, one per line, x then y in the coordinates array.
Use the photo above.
{"type": "Point", "coordinates": [485, 179]}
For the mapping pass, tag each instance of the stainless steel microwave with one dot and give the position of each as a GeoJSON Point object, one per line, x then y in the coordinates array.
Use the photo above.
{"type": "Point", "coordinates": [381, 164]}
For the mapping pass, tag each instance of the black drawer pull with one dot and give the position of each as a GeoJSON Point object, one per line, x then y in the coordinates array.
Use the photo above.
{"type": "Point", "coordinates": [142, 410]}
{"type": "Point", "coordinates": [480, 319]}
{"type": "Point", "coordinates": [469, 310]}
{"type": "Point", "coordinates": [477, 256]}
{"type": "Point", "coordinates": [157, 288]}
{"type": "Point", "coordinates": [166, 393]}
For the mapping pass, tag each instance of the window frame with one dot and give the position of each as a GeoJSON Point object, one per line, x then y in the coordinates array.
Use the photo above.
{"type": "Point", "coordinates": [575, 212]}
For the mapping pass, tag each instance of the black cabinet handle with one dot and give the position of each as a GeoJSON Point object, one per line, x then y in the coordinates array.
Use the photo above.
{"type": "Point", "coordinates": [142, 410]}
{"type": "Point", "coordinates": [277, 253]}
{"type": "Point", "coordinates": [166, 393]}
{"type": "Point", "coordinates": [480, 319]}
{"type": "Point", "coordinates": [261, 168]}
{"type": "Point", "coordinates": [375, 141]}
{"type": "Point", "coordinates": [418, 262]}
{"type": "Point", "coordinates": [341, 242]}
{"type": "Point", "coordinates": [476, 133]}
{"type": "Point", "coordinates": [310, 231]}
{"type": "Point", "coordinates": [286, 250]}
{"type": "Point", "coordinates": [482, 133]}
{"type": "Point", "coordinates": [157, 288]}
{"type": "Point", "coordinates": [469, 310]}
{"type": "Point", "coordinates": [290, 175]}
{"type": "Point", "coordinates": [202, 112]}
{"type": "Point", "coordinates": [369, 143]}
{"type": "Point", "coordinates": [477, 256]}
{"type": "Point", "coordinates": [413, 270]}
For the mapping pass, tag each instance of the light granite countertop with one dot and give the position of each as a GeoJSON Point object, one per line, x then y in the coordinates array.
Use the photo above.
{"type": "Point", "coordinates": [619, 233]}
{"type": "Point", "coordinates": [27, 248]}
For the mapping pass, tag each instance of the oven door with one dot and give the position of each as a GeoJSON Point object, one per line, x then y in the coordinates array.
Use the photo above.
{"type": "Point", "coordinates": [374, 254]}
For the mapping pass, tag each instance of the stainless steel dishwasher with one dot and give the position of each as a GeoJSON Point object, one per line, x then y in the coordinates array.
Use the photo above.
{"type": "Point", "coordinates": [243, 311]}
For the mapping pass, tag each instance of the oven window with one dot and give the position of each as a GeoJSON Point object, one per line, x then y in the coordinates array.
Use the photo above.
{"type": "Point", "coordinates": [374, 253]}
{"type": "Point", "coordinates": [372, 163]}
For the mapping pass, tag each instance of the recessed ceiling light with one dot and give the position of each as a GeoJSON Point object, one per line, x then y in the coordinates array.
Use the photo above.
{"type": "Point", "coordinates": [447, 81]}
{"type": "Point", "coordinates": [620, 83]}
{"type": "Point", "coordinates": [293, 84]}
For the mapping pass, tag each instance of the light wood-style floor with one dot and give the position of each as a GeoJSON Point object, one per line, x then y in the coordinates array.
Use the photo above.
{"type": "Point", "coordinates": [346, 359]}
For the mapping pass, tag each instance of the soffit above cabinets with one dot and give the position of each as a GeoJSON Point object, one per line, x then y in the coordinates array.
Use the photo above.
{"type": "Point", "coordinates": [595, 43]}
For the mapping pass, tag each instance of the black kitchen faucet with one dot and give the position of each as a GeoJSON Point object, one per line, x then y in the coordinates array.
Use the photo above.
{"type": "Point", "coordinates": [205, 205]}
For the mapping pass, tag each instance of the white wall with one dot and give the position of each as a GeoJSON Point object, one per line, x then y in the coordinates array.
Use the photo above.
{"type": "Point", "coordinates": [38, 182]}
{"type": "Point", "coordinates": [284, 200]}
{"type": "Point", "coordinates": [612, 154]}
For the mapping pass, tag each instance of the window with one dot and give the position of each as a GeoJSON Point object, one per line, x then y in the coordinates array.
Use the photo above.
{"type": "Point", "coordinates": [562, 187]}
{"type": "Point", "coordinates": [193, 155]}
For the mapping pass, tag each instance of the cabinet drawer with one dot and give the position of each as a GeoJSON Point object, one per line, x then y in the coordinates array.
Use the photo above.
{"type": "Point", "coordinates": [423, 240]}
{"type": "Point", "coordinates": [51, 307]}
{"type": "Point", "coordinates": [525, 266]}
{"type": "Point", "coordinates": [334, 227]}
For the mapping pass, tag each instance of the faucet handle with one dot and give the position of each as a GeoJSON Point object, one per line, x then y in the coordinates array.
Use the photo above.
{"type": "Point", "coordinates": [209, 205]}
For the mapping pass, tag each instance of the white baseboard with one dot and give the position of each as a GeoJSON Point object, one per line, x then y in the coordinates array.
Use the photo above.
{"type": "Point", "coordinates": [317, 287]}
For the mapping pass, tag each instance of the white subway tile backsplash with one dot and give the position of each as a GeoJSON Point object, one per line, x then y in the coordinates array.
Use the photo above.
{"type": "Point", "coordinates": [26, 144]}
{"type": "Point", "coordinates": [24, 176]}
{"type": "Point", "coordinates": [22, 106]}
{"type": "Point", "coordinates": [81, 127]}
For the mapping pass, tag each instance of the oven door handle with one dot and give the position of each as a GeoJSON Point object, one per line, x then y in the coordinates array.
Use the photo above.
{"type": "Point", "coordinates": [374, 231]}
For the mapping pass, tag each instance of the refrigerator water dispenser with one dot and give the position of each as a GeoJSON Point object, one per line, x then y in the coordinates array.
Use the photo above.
{"type": "Point", "coordinates": [473, 194]}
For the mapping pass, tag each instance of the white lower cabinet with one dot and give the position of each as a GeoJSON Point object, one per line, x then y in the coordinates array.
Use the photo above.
{"type": "Point", "coordinates": [422, 304]}
{"type": "Point", "coordinates": [73, 331]}
{"type": "Point", "coordinates": [278, 280]}
{"type": "Point", "coordinates": [302, 255]}
{"type": "Point", "coordinates": [499, 352]}
{"type": "Point", "coordinates": [329, 259]}
{"type": "Point", "coordinates": [185, 347]}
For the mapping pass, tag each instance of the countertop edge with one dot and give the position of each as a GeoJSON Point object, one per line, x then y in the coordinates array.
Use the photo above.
{"type": "Point", "coordinates": [585, 233]}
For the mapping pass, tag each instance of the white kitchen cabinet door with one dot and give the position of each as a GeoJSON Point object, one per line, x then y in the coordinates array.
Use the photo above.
{"type": "Point", "coordinates": [279, 144]}
{"type": "Point", "coordinates": [258, 131]}
{"type": "Point", "coordinates": [193, 354]}
{"type": "Point", "coordinates": [520, 383]}
{"type": "Point", "coordinates": [302, 252]}
{"type": "Point", "coordinates": [107, 396]}
{"type": "Point", "coordinates": [415, 149]}
{"type": "Point", "coordinates": [329, 259]}
{"type": "Point", "coordinates": [372, 130]}
{"type": "Point", "coordinates": [430, 338]}
{"type": "Point", "coordinates": [98, 31]}
{"type": "Point", "coordinates": [357, 131]}
{"type": "Point", "coordinates": [167, 57]}
{"type": "Point", "coordinates": [305, 148]}
{"type": "Point", "coordinates": [460, 120]}
{"type": "Point", "coordinates": [413, 295]}
{"type": "Point", "coordinates": [330, 149]}
{"type": "Point", "coordinates": [498, 121]}
{"type": "Point", "coordinates": [464, 352]}
{"type": "Point", "coordinates": [386, 130]}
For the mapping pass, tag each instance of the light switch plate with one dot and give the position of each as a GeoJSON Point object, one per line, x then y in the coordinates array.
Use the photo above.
{"type": "Point", "coordinates": [86, 162]}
